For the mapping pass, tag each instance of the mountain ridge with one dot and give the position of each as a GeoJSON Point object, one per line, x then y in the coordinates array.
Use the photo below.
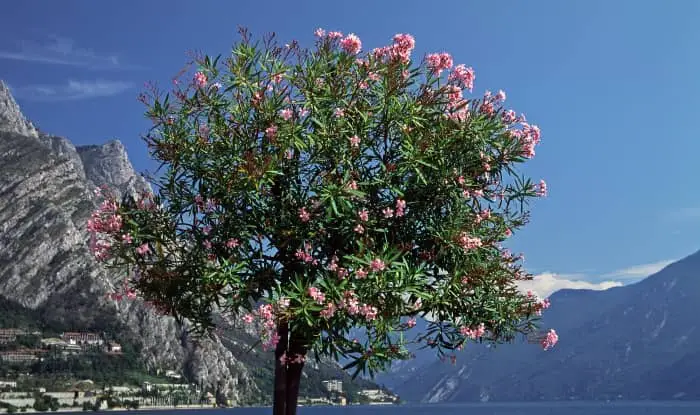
{"type": "Point", "coordinates": [627, 339]}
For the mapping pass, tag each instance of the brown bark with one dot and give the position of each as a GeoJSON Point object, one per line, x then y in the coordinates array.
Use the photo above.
{"type": "Point", "coordinates": [288, 374]}
{"type": "Point", "coordinates": [296, 349]}
{"type": "Point", "coordinates": [279, 400]}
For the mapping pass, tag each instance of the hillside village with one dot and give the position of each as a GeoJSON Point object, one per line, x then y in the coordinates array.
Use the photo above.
{"type": "Point", "coordinates": [22, 346]}
{"type": "Point", "coordinates": [43, 372]}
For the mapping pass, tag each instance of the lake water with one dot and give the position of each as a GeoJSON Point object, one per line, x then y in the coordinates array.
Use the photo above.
{"type": "Point", "coordinates": [564, 408]}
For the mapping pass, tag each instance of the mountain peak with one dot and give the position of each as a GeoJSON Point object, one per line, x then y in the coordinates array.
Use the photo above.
{"type": "Point", "coordinates": [109, 164]}
{"type": "Point", "coordinates": [11, 117]}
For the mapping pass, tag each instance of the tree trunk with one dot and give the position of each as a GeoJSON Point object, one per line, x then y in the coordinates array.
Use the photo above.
{"type": "Point", "coordinates": [289, 364]}
{"type": "Point", "coordinates": [279, 400]}
{"type": "Point", "coordinates": [296, 353]}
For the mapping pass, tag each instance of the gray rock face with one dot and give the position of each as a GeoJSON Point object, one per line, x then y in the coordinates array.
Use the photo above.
{"type": "Point", "coordinates": [45, 200]}
{"type": "Point", "coordinates": [109, 164]}
{"type": "Point", "coordinates": [11, 118]}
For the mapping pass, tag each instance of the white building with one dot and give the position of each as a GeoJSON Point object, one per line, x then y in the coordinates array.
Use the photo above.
{"type": "Point", "coordinates": [333, 385]}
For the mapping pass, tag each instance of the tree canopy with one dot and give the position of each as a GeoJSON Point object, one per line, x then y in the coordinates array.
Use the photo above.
{"type": "Point", "coordinates": [317, 192]}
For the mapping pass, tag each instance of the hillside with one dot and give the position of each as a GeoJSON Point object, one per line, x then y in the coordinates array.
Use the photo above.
{"type": "Point", "coordinates": [49, 280]}
{"type": "Point", "coordinates": [635, 342]}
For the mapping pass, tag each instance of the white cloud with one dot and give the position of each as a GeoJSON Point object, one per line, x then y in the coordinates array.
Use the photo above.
{"type": "Point", "coordinates": [547, 283]}
{"type": "Point", "coordinates": [72, 90]}
{"type": "Point", "coordinates": [62, 51]}
{"type": "Point", "coordinates": [640, 271]}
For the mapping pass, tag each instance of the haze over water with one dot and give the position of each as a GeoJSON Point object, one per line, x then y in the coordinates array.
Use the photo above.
{"type": "Point", "coordinates": [545, 408]}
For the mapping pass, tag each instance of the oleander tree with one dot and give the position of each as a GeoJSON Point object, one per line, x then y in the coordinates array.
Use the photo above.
{"type": "Point", "coordinates": [329, 198]}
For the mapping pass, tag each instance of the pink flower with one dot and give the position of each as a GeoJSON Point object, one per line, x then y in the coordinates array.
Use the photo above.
{"type": "Point", "coordinates": [485, 214]}
{"type": "Point", "coordinates": [127, 238]}
{"type": "Point", "coordinates": [333, 266]}
{"type": "Point", "coordinates": [550, 339]}
{"type": "Point", "coordinates": [487, 108]}
{"type": "Point", "coordinates": [509, 233]}
{"type": "Point", "coordinates": [508, 117]}
{"type": "Point", "coordinates": [541, 305]}
{"type": "Point", "coordinates": [206, 244]}
{"type": "Point", "coordinates": [271, 131]}
{"type": "Point", "coordinates": [305, 255]}
{"type": "Point", "coordinates": [363, 215]}
{"type": "Point", "coordinates": [469, 243]}
{"type": "Point", "coordinates": [319, 32]}
{"type": "Point", "coordinates": [335, 35]}
{"type": "Point", "coordinates": [361, 273]}
{"type": "Point", "coordinates": [463, 76]}
{"type": "Point", "coordinates": [286, 114]}
{"type": "Point", "coordinates": [339, 112]}
{"type": "Point", "coordinates": [232, 243]}
{"type": "Point", "coordinates": [400, 207]}
{"type": "Point", "coordinates": [532, 132]}
{"type": "Point", "coordinates": [359, 229]}
{"type": "Point", "coordinates": [437, 62]}
{"type": "Point", "coordinates": [370, 312]}
{"type": "Point", "coordinates": [529, 149]}
{"type": "Point", "coordinates": [500, 96]}
{"type": "Point", "coordinates": [541, 189]}
{"type": "Point", "coordinates": [350, 303]}
{"type": "Point", "coordinates": [352, 185]}
{"type": "Point", "coordinates": [316, 295]}
{"type": "Point", "coordinates": [411, 323]}
{"type": "Point", "coordinates": [200, 79]}
{"type": "Point", "coordinates": [473, 333]}
{"type": "Point", "coordinates": [248, 318]}
{"type": "Point", "coordinates": [355, 141]}
{"type": "Point", "coordinates": [388, 212]}
{"type": "Point", "coordinates": [351, 44]}
{"type": "Point", "coordinates": [377, 265]}
{"type": "Point", "coordinates": [143, 249]}
{"type": "Point", "coordinates": [328, 311]}
{"type": "Point", "coordinates": [401, 49]}
{"type": "Point", "coordinates": [304, 216]}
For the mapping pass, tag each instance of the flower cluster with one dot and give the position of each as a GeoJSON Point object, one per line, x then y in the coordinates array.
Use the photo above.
{"type": "Point", "coordinates": [103, 225]}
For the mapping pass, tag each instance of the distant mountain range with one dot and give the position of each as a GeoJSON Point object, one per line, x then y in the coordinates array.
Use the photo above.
{"type": "Point", "coordinates": [636, 342]}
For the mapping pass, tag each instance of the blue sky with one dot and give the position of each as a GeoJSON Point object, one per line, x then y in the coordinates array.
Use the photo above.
{"type": "Point", "coordinates": [614, 86]}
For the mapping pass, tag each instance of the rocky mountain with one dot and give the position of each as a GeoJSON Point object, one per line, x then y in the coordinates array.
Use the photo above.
{"type": "Point", "coordinates": [637, 342]}
{"type": "Point", "coordinates": [46, 197]}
